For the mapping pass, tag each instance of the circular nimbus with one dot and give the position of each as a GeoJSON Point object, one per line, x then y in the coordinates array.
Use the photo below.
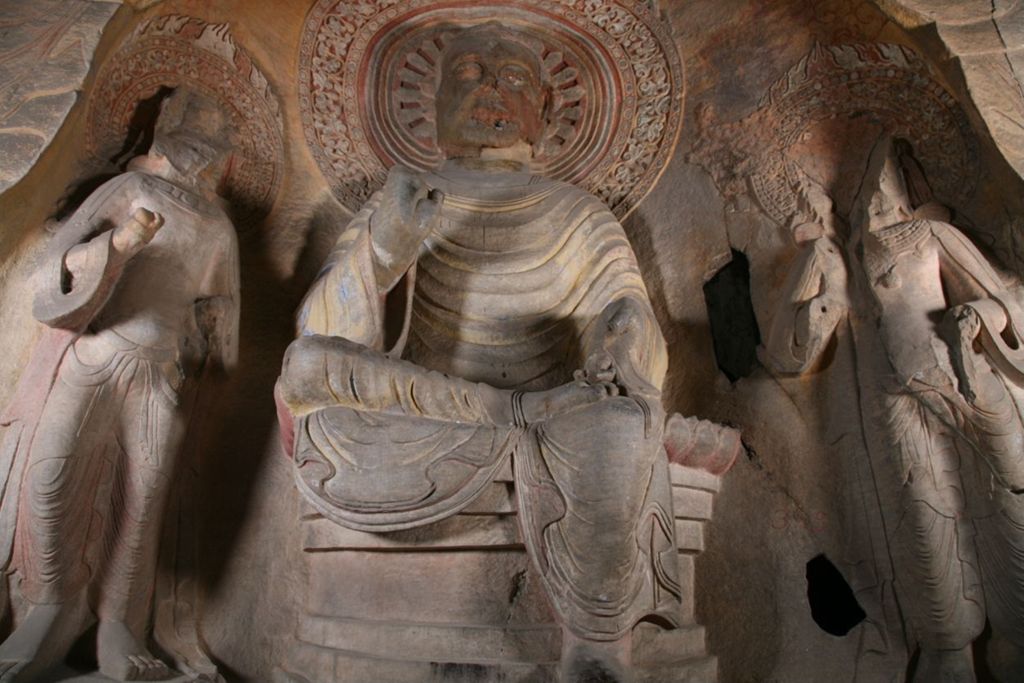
{"type": "Point", "coordinates": [368, 76]}
{"type": "Point", "coordinates": [888, 85]}
{"type": "Point", "coordinates": [174, 50]}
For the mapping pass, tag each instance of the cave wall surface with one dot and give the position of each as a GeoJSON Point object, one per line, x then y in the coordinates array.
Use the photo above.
{"type": "Point", "coordinates": [759, 74]}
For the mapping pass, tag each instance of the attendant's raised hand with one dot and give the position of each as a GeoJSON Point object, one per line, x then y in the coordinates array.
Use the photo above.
{"type": "Point", "coordinates": [137, 231]}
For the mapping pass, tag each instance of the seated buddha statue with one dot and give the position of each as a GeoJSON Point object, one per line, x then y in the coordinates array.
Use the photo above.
{"type": "Point", "coordinates": [478, 313]}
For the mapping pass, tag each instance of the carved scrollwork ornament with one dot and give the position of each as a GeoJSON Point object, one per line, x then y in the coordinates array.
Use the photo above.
{"type": "Point", "coordinates": [368, 71]}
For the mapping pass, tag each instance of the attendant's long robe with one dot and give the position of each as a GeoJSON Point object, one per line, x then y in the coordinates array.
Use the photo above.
{"type": "Point", "coordinates": [98, 417]}
{"type": "Point", "coordinates": [947, 473]}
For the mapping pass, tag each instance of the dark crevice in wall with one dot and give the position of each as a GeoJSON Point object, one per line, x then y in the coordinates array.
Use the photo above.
{"type": "Point", "coordinates": [833, 605]}
{"type": "Point", "coordinates": [83, 654]}
{"type": "Point", "coordinates": [731, 315]}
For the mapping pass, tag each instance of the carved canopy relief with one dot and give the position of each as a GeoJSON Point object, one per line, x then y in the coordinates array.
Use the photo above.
{"type": "Point", "coordinates": [368, 71]}
{"type": "Point", "coordinates": [819, 117]}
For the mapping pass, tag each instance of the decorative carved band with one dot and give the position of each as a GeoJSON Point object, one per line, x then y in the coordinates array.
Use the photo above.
{"type": "Point", "coordinates": [368, 71]}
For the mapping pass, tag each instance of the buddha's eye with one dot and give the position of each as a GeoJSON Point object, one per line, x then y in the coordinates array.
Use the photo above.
{"type": "Point", "coordinates": [468, 71]}
{"type": "Point", "coordinates": [514, 76]}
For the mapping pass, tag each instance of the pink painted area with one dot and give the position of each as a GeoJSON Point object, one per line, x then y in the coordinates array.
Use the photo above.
{"type": "Point", "coordinates": [701, 444]}
{"type": "Point", "coordinates": [36, 380]}
{"type": "Point", "coordinates": [287, 422]}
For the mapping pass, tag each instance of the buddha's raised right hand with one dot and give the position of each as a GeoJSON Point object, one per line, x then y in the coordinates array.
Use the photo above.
{"type": "Point", "coordinates": [407, 213]}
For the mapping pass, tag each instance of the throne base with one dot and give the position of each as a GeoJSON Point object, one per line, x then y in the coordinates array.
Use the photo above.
{"type": "Point", "coordinates": [458, 600]}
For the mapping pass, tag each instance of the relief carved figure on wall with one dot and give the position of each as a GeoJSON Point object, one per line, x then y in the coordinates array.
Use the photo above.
{"type": "Point", "coordinates": [936, 332]}
{"type": "Point", "coordinates": [477, 313]}
{"type": "Point", "coordinates": [140, 293]}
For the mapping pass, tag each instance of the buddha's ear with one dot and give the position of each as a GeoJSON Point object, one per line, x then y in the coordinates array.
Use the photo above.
{"type": "Point", "coordinates": [547, 112]}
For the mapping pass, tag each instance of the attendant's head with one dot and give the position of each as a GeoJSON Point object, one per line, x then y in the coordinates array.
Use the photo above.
{"type": "Point", "coordinates": [492, 93]}
{"type": "Point", "coordinates": [191, 139]}
{"type": "Point", "coordinates": [883, 199]}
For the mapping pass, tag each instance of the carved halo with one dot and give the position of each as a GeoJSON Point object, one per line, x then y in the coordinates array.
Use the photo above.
{"type": "Point", "coordinates": [828, 93]}
{"type": "Point", "coordinates": [892, 84]}
{"type": "Point", "coordinates": [173, 50]}
{"type": "Point", "coordinates": [368, 71]}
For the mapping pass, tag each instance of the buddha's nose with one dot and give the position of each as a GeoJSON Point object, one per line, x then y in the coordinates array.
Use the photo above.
{"type": "Point", "coordinates": [489, 79]}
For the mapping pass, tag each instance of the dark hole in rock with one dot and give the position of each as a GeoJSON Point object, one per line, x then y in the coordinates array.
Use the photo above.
{"type": "Point", "coordinates": [82, 657]}
{"type": "Point", "coordinates": [833, 605]}
{"type": "Point", "coordinates": [457, 671]}
{"type": "Point", "coordinates": [731, 315]}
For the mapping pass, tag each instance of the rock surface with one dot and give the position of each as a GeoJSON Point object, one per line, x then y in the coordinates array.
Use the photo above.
{"type": "Point", "coordinates": [46, 50]}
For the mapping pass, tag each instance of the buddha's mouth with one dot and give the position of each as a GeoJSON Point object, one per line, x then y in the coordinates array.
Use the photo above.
{"type": "Point", "coordinates": [494, 118]}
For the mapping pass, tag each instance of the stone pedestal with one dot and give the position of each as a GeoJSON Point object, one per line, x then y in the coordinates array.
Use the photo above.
{"type": "Point", "coordinates": [459, 600]}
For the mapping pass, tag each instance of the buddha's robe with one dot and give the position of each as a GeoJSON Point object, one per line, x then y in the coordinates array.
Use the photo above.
{"type": "Point", "coordinates": [520, 281]}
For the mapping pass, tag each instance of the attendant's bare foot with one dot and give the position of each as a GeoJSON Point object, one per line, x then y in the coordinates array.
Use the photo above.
{"type": "Point", "coordinates": [35, 646]}
{"type": "Point", "coordinates": [123, 658]}
{"type": "Point", "coordinates": [945, 666]}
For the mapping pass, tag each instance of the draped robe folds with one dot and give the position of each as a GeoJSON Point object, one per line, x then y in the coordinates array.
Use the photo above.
{"type": "Point", "coordinates": [516, 285]}
{"type": "Point", "coordinates": [947, 471]}
{"type": "Point", "coordinates": [98, 415]}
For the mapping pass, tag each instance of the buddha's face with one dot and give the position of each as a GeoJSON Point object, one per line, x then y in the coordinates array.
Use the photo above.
{"type": "Point", "coordinates": [491, 95]}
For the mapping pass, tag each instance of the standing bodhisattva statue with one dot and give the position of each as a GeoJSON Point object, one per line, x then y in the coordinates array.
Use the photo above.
{"type": "Point", "coordinates": [140, 290]}
{"type": "Point", "coordinates": [940, 366]}
{"type": "Point", "coordinates": [477, 313]}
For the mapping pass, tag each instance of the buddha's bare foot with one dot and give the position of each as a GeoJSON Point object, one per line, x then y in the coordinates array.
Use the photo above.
{"type": "Point", "coordinates": [123, 658]}
{"type": "Point", "coordinates": [35, 646]}
{"type": "Point", "coordinates": [540, 405]}
{"type": "Point", "coordinates": [945, 666]}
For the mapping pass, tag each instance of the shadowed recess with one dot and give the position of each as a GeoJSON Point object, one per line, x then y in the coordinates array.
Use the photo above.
{"type": "Point", "coordinates": [731, 315]}
{"type": "Point", "coordinates": [833, 605]}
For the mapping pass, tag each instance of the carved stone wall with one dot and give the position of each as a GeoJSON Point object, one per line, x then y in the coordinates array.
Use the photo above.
{"type": "Point", "coordinates": [987, 41]}
{"type": "Point", "coordinates": [45, 54]}
{"type": "Point", "coordinates": [780, 99]}
{"type": "Point", "coordinates": [775, 145]}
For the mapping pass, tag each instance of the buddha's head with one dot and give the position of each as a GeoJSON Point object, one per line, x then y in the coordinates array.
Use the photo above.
{"type": "Point", "coordinates": [192, 136]}
{"type": "Point", "coordinates": [492, 93]}
{"type": "Point", "coordinates": [884, 199]}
